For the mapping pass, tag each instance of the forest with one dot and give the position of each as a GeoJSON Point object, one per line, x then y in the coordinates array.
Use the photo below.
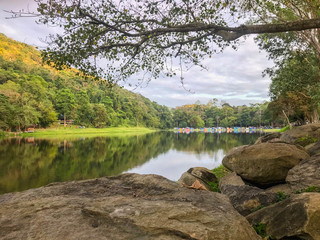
{"type": "Point", "coordinates": [33, 94]}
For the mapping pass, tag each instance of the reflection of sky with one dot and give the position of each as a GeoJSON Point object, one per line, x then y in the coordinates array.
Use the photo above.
{"type": "Point", "coordinates": [173, 163]}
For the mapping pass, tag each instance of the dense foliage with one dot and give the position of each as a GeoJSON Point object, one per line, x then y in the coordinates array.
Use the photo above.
{"type": "Point", "coordinates": [35, 95]}
{"type": "Point", "coordinates": [156, 37]}
{"type": "Point", "coordinates": [213, 115]}
{"type": "Point", "coordinates": [295, 78]}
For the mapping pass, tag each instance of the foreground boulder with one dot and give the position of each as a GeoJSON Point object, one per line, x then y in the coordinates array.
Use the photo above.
{"type": "Point", "coordinates": [297, 217]}
{"type": "Point", "coordinates": [305, 174]}
{"type": "Point", "coordinates": [128, 206]}
{"type": "Point", "coordinates": [302, 135]}
{"type": "Point", "coordinates": [264, 163]}
{"type": "Point", "coordinates": [198, 176]}
{"type": "Point", "coordinates": [245, 199]}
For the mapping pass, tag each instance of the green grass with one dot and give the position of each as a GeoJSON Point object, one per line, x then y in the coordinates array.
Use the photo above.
{"type": "Point", "coordinates": [257, 208]}
{"type": "Point", "coordinates": [309, 189]}
{"type": "Point", "coordinates": [281, 196]}
{"type": "Point", "coordinates": [72, 131]}
{"type": "Point", "coordinates": [286, 128]}
{"type": "Point", "coordinates": [306, 140]}
{"type": "Point", "coordinates": [214, 186]}
{"type": "Point", "coordinates": [271, 130]}
{"type": "Point", "coordinates": [260, 228]}
{"type": "Point", "coordinates": [219, 172]}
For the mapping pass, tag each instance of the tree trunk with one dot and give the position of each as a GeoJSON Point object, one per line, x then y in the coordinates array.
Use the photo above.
{"type": "Point", "coordinates": [285, 115]}
{"type": "Point", "coordinates": [64, 120]}
{"type": "Point", "coordinates": [315, 114]}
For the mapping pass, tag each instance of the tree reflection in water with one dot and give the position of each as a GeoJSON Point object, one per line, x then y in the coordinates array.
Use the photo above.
{"type": "Point", "coordinates": [28, 163]}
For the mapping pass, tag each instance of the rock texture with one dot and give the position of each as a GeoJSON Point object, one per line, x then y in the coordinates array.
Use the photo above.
{"type": "Point", "coordinates": [281, 188]}
{"type": "Point", "coordinates": [201, 174]}
{"type": "Point", "coordinates": [294, 135]}
{"type": "Point", "coordinates": [305, 174]}
{"type": "Point", "coordinates": [128, 206]}
{"type": "Point", "coordinates": [295, 217]}
{"type": "Point", "coordinates": [272, 137]}
{"type": "Point", "coordinates": [264, 163]}
{"type": "Point", "coordinates": [314, 149]}
{"type": "Point", "coordinates": [245, 199]}
{"type": "Point", "coordinates": [230, 179]}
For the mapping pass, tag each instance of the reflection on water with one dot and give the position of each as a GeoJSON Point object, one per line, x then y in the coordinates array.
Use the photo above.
{"type": "Point", "coordinates": [28, 163]}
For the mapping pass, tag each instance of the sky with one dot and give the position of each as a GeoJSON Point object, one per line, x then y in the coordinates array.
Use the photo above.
{"type": "Point", "coordinates": [232, 76]}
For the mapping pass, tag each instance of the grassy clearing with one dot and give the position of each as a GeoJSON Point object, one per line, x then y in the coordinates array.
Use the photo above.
{"type": "Point", "coordinates": [70, 132]}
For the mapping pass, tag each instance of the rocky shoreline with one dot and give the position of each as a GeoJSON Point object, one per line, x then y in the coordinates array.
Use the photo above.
{"type": "Point", "coordinates": [271, 191]}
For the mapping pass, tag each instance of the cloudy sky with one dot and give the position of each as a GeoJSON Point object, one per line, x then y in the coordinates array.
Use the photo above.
{"type": "Point", "coordinates": [232, 76]}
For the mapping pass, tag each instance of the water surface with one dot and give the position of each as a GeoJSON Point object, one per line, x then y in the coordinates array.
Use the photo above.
{"type": "Point", "coordinates": [28, 163]}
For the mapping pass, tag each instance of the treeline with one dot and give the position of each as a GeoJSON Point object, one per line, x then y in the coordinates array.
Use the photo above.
{"type": "Point", "coordinates": [213, 114]}
{"type": "Point", "coordinates": [35, 95]}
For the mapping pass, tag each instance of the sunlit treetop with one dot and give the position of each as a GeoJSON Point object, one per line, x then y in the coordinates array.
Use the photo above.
{"type": "Point", "coordinates": [114, 39]}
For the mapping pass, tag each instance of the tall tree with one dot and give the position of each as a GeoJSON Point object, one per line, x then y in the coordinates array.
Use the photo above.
{"type": "Point", "coordinates": [65, 102]}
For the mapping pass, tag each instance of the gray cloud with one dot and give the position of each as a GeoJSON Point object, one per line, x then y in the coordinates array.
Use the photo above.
{"type": "Point", "coordinates": [233, 76]}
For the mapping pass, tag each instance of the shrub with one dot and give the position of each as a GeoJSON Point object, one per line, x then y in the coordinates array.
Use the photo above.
{"type": "Point", "coordinates": [281, 196]}
{"type": "Point", "coordinates": [220, 172]}
{"type": "Point", "coordinates": [214, 186]}
{"type": "Point", "coordinates": [260, 229]}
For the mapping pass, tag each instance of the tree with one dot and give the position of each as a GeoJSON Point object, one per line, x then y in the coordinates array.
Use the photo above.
{"type": "Point", "coordinates": [84, 112]}
{"type": "Point", "coordinates": [100, 115]}
{"type": "Point", "coordinates": [297, 71]}
{"type": "Point", "coordinates": [65, 103]}
{"type": "Point", "coordinates": [196, 121]}
{"type": "Point", "coordinates": [142, 35]}
{"type": "Point", "coordinates": [290, 50]}
{"type": "Point", "coordinates": [5, 112]}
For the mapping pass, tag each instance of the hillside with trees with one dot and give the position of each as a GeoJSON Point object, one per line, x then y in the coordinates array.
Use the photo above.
{"type": "Point", "coordinates": [33, 94]}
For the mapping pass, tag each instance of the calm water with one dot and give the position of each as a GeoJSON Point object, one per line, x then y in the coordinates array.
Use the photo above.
{"type": "Point", "coordinates": [30, 163]}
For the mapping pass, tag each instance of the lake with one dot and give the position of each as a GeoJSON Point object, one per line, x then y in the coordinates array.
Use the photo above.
{"type": "Point", "coordinates": [29, 162]}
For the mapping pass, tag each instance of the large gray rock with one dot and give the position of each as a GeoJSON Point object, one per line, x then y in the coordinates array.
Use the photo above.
{"type": "Point", "coordinates": [203, 175]}
{"type": "Point", "coordinates": [302, 135]}
{"type": "Point", "coordinates": [245, 199]}
{"type": "Point", "coordinates": [230, 179]}
{"type": "Point", "coordinates": [305, 174]}
{"type": "Point", "coordinates": [297, 217]}
{"type": "Point", "coordinates": [128, 206]}
{"type": "Point", "coordinates": [264, 163]}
